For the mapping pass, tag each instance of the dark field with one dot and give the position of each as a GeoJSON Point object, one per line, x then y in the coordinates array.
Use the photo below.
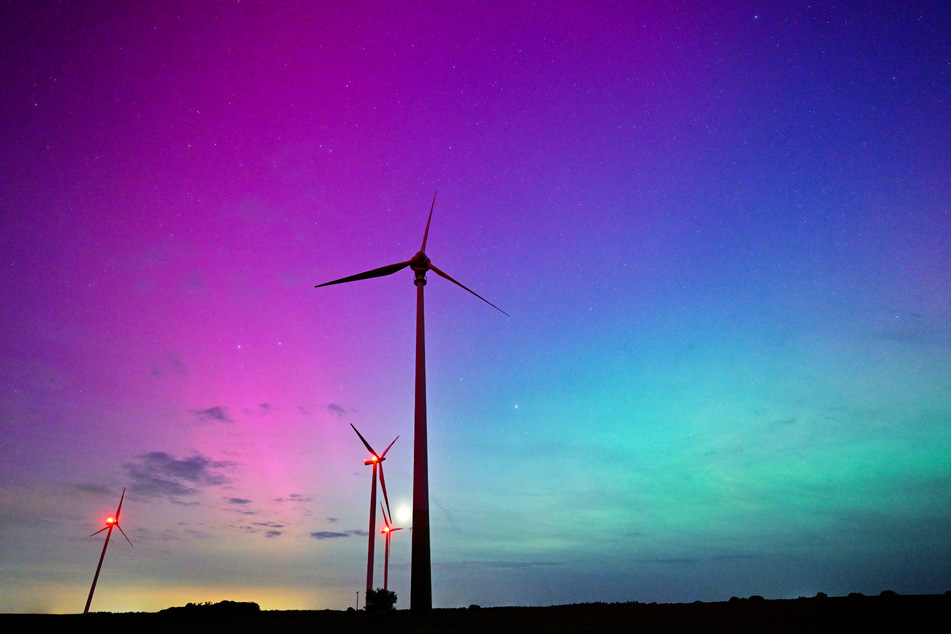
{"type": "Point", "coordinates": [834, 614]}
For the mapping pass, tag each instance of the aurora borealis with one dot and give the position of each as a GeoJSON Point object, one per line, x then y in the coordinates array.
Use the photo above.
{"type": "Point", "coordinates": [722, 235]}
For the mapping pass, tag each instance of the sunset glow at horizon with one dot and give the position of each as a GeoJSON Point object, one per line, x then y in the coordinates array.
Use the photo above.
{"type": "Point", "coordinates": [721, 237]}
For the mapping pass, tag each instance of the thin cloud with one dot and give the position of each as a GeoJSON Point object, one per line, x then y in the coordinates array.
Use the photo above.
{"type": "Point", "coordinates": [293, 497]}
{"type": "Point", "coordinates": [328, 535]}
{"type": "Point", "coordinates": [337, 535]}
{"type": "Point", "coordinates": [337, 410]}
{"type": "Point", "coordinates": [238, 501]}
{"type": "Point", "coordinates": [508, 565]}
{"type": "Point", "coordinates": [172, 361]}
{"type": "Point", "coordinates": [159, 473]}
{"type": "Point", "coordinates": [216, 413]}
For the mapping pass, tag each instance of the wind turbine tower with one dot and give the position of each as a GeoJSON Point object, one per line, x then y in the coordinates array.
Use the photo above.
{"type": "Point", "coordinates": [421, 587]}
{"type": "Point", "coordinates": [111, 522]}
{"type": "Point", "coordinates": [377, 462]}
{"type": "Point", "coordinates": [388, 530]}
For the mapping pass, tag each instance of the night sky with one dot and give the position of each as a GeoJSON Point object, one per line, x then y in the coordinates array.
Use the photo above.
{"type": "Point", "coordinates": [723, 235]}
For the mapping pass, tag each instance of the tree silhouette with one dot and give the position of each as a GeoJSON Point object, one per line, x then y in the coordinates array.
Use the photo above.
{"type": "Point", "coordinates": [380, 600]}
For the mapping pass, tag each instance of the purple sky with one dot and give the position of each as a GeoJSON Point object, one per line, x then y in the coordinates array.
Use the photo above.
{"type": "Point", "coordinates": [722, 235]}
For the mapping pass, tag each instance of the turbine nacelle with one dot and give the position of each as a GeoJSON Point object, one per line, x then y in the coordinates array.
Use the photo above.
{"type": "Point", "coordinates": [420, 263]}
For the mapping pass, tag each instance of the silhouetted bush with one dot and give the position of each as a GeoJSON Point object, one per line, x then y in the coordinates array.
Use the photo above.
{"type": "Point", "coordinates": [822, 595]}
{"type": "Point", "coordinates": [888, 594]}
{"type": "Point", "coordinates": [756, 597]}
{"type": "Point", "coordinates": [475, 607]}
{"type": "Point", "coordinates": [380, 600]}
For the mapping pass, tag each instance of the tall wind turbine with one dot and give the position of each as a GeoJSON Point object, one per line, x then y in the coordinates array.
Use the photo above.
{"type": "Point", "coordinates": [421, 587]}
{"type": "Point", "coordinates": [111, 522]}
{"type": "Point", "coordinates": [388, 530]}
{"type": "Point", "coordinates": [377, 461]}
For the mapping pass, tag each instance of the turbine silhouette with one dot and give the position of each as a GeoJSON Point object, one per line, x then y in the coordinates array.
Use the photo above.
{"type": "Point", "coordinates": [376, 461]}
{"type": "Point", "coordinates": [388, 529]}
{"type": "Point", "coordinates": [111, 522]}
{"type": "Point", "coordinates": [421, 589]}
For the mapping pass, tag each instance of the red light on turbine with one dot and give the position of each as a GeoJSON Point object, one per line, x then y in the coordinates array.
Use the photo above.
{"type": "Point", "coordinates": [110, 521]}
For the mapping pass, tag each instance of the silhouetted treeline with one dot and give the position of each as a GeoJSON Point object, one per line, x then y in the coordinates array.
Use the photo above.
{"type": "Point", "coordinates": [222, 608]}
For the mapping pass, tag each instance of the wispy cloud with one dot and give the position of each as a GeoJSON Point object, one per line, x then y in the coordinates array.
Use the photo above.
{"type": "Point", "coordinates": [159, 473]}
{"type": "Point", "coordinates": [237, 501]}
{"type": "Point", "coordinates": [337, 410]}
{"type": "Point", "coordinates": [216, 413]}
{"type": "Point", "coordinates": [336, 534]}
{"type": "Point", "coordinates": [460, 565]}
{"type": "Point", "coordinates": [171, 361]}
{"type": "Point", "coordinates": [273, 529]}
{"type": "Point", "coordinates": [293, 497]}
{"type": "Point", "coordinates": [328, 535]}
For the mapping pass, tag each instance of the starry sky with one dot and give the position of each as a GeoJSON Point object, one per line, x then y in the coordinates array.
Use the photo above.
{"type": "Point", "coordinates": [722, 235]}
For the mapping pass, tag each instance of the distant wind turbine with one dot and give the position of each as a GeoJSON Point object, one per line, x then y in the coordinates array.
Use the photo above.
{"type": "Point", "coordinates": [421, 588]}
{"type": "Point", "coordinates": [388, 529]}
{"type": "Point", "coordinates": [111, 522]}
{"type": "Point", "coordinates": [376, 461]}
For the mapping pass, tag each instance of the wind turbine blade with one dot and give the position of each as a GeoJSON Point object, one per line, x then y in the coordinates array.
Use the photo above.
{"type": "Point", "coordinates": [383, 270]}
{"type": "Point", "coordinates": [426, 233]}
{"type": "Point", "coordinates": [388, 448]}
{"type": "Point", "coordinates": [99, 531]}
{"type": "Point", "coordinates": [441, 274]}
{"type": "Point", "coordinates": [383, 485]}
{"type": "Point", "coordinates": [386, 520]}
{"type": "Point", "coordinates": [366, 444]}
{"type": "Point", "coordinates": [119, 510]}
{"type": "Point", "coordinates": [124, 535]}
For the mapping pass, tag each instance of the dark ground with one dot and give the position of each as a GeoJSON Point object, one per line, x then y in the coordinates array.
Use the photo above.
{"type": "Point", "coordinates": [929, 613]}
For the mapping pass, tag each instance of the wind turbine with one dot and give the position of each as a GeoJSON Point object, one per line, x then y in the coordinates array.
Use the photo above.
{"type": "Point", "coordinates": [111, 522]}
{"type": "Point", "coordinates": [388, 529]}
{"type": "Point", "coordinates": [376, 461]}
{"type": "Point", "coordinates": [421, 587]}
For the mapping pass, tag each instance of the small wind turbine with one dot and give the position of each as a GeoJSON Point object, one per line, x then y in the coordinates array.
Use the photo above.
{"type": "Point", "coordinates": [111, 522]}
{"type": "Point", "coordinates": [388, 529]}
{"type": "Point", "coordinates": [421, 587]}
{"type": "Point", "coordinates": [377, 461]}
